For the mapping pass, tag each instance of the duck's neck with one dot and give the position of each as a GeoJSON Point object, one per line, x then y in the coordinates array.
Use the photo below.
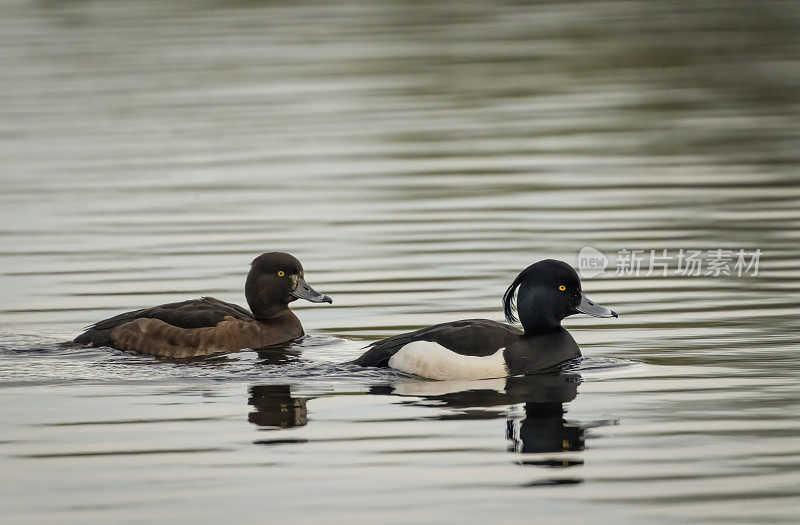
{"type": "Point", "coordinates": [540, 329]}
{"type": "Point", "coordinates": [271, 312]}
{"type": "Point", "coordinates": [264, 308]}
{"type": "Point", "coordinates": [277, 324]}
{"type": "Point", "coordinates": [537, 316]}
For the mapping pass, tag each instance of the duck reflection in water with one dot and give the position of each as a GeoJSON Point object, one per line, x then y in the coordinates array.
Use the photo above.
{"type": "Point", "coordinates": [544, 428]}
{"type": "Point", "coordinates": [276, 407]}
{"type": "Point", "coordinates": [541, 429]}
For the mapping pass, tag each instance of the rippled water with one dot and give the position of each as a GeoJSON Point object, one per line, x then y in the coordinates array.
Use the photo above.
{"type": "Point", "coordinates": [414, 157]}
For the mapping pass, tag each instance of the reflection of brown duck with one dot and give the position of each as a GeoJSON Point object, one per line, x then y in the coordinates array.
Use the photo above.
{"type": "Point", "coordinates": [275, 407]}
{"type": "Point", "coordinates": [206, 326]}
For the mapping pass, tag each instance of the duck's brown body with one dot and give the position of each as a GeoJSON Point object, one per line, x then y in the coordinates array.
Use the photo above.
{"type": "Point", "coordinates": [191, 329]}
{"type": "Point", "coordinates": [208, 326]}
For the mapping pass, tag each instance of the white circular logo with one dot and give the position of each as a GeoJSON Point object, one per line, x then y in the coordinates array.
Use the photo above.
{"type": "Point", "coordinates": [591, 262]}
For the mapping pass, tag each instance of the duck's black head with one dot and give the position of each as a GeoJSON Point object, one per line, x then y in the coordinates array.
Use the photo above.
{"type": "Point", "coordinates": [547, 292]}
{"type": "Point", "coordinates": [275, 280]}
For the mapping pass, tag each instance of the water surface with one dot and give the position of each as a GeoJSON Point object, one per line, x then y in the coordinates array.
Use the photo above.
{"type": "Point", "coordinates": [415, 158]}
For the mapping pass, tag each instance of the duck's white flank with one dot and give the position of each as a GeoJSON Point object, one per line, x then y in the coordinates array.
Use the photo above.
{"type": "Point", "coordinates": [432, 360]}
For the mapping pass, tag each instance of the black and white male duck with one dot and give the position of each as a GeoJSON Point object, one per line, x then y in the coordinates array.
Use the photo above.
{"type": "Point", "coordinates": [206, 326]}
{"type": "Point", "coordinates": [546, 292]}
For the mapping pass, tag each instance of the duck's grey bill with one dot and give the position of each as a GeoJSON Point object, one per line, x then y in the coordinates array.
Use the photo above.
{"type": "Point", "coordinates": [304, 291]}
{"type": "Point", "coordinates": [590, 307]}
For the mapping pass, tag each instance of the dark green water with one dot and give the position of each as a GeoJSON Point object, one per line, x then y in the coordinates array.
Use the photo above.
{"type": "Point", "coordinates": [415, 157]}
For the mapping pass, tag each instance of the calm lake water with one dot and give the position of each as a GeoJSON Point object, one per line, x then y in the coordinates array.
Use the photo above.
{"type": "Point", "coordinates": [414, 157]}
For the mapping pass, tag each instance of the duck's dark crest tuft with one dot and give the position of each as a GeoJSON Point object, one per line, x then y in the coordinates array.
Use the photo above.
{"type": "Point", "coordinates": [509, 298]}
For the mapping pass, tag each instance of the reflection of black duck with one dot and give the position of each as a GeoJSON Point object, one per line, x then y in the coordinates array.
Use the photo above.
{"type": "Point", "coordinates": [275, 407]}
{"type": "Point", "coordinates": [539, 388]}
{"type": "Point", "coordinates": [543, 429]}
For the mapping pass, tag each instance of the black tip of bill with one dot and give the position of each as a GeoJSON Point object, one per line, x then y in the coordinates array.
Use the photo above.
{"type": "Point", "coordinates": [590, 307]}
{"type": "Point", "coordinates": [304, 291]}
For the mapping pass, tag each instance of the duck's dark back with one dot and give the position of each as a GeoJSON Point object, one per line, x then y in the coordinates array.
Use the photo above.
{"type": "Point", "coordinates": [474, 337]}
{"type": "Point", "coordinates": [194, 313]}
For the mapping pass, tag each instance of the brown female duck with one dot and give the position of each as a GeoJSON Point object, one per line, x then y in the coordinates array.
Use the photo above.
{"type": "Point", "coordinates": [207, 326]}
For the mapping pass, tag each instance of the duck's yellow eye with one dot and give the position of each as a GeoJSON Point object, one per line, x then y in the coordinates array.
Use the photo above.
{"type": "Point", "coordinates": [280, 273]}
{"type": "Point", "coordinates": [562, 287]}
